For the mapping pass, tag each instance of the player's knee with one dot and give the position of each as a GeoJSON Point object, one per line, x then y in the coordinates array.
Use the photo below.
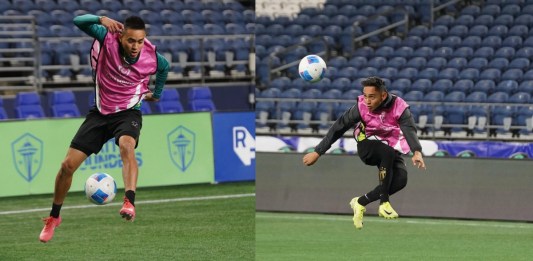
{"type": "Point", "coordinates": [402, 178]}
{"type": "Point", "coordinates": [67, 168]}
{"type": "Point", "coordinates": [127, 148]}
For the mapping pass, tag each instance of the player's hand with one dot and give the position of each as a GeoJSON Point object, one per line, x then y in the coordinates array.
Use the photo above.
{"type": "Point", "coordinates": [111, 25]}
{"type": "Point", "coordinates": [418, 161]}
{"type": "Point", "coordinates": [150, 97]}
{"type": "Point", "coordinates": [310, 158]}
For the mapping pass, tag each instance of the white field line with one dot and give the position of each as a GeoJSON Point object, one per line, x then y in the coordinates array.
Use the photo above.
{"type": "Point", "coordinates": [155, 201]}
{"type": "Point", "coordinates": [495, 224]}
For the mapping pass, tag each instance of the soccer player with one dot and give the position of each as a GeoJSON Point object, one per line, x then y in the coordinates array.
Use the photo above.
{"type": "Point", "coordinates": [125, 59]}
{"type": "Point", "coordinates": [384, 130]}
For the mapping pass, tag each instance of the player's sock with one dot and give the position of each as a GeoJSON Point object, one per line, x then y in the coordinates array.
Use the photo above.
{"type": "Point", "coordinates": [55, 210]}
{"type": "Point", "coordinates": [130, 195]}
{"type": "Point", "coordinates": [363, 201]}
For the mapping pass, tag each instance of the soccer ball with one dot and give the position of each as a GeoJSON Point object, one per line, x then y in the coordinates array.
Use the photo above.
{"type": "Point", "coordinates": [312, 68]}
{"type": "Point", "coordinates": [100, 188]}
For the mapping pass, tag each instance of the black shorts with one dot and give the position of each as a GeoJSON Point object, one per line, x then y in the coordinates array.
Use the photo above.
{"type": "Point", "coordinates": [372, 152]}
{"type": "Point", "coordinates": [97, 129]}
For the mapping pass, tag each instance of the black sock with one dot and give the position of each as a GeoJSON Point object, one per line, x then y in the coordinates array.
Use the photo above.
{"type": "Point", "coordinates": [363, 200]}
{"type": "Point", "coordinates": [130, 195]}
{"type": "Point", "coordinates": [55, 210]}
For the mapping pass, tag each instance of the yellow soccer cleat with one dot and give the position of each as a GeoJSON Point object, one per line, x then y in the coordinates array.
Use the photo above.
{"type": "Point", "coordinates": [358, 212]}
{"type": "Point", "coordinates": [386, 211]}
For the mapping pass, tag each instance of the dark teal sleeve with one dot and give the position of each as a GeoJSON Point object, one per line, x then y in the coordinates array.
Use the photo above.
{"type": "Point", "coordinates": [161, 75]}
{"type": "Point", "coordinates": [90, 24]}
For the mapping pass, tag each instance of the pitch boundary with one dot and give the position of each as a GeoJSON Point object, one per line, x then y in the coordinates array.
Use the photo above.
{"type": "Point", "coordinates": [141, 202]}
{"type": "Point", "coordinates": [471, 223]}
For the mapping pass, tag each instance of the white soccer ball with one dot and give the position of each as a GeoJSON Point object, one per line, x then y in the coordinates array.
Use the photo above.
{"type": "Point", "coordinates": [312, 68]}
{"type": "Point", "coordinates": [100, 188]}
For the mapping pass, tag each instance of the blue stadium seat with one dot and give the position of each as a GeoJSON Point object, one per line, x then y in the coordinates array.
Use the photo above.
{"type": "Point", "coordinates": [445, 20]}
{"type": "Point", "coordinates": [367, 52]}
{"type": "Point", "coordinates": [432, 41]}
{"type": "Point", "coordinates": [499, 63]}
{"type": "Point", "coordinates": [408, 73]}
{"type": "Point", "coordinates": [510, 9]}
{"type": "Point", "coordinates": [133, 5]}
{"type": "Point", "coordinates": [416, 62]}
{"type": "Point", "coordinates": [377, 62]}
{"type": "Point", "coordinates": [401, 85]}
{"type": "Point", "coordinates": [526, 86]}
{"type": "Point", "coordinates": [428, 73]}
{"type": "Point", "coordinates": [490, 74]}
{"type": "Point", "coordinates": [422, 85]}
{"type": "Point", "coordinates": [525, 52]}
{"type": "Point", "coordinates": [200, 99]}
{"type": "Point", "coordinates": [154, 5]}
{"type": "Point", "coordinates": [351, 94]}
{"type": "Point", "coordinates": [385, 51]}
{"type": "Point", "coordinates": [512, 74]}
{"type": "Point", "coordinates": [469, 74]}
{"type": "Point", "coordinates": [478, 30]}
{"type": "Point", "coordinates": [444, 52]}
{"type": "Point", "coordinates": [412, 41]}
{"type": "Point", "coordinates": [520, 97]}
{"type": "Point", "coordinates": [393, 41]}
{"type": "Point", "coordinates": [419, 30]}
{"type": "Point", "coordinates": [451, 41]}
{"type": "Point", "coordinates": [28, 105]}
{"type": "Point", "coordinates": [459, 30]}
{"type": "Point", "coordinates": [463, 20]}
{"type": "Point", "coordinates": [472, 10]}
{"type": "Point", "coordinates": [413, 96]}
{"type": "Point", "coordinates": [492, 41]}
{"type": "Point", "coordinates": [492, 10]}
{"type": "Point", "coordinates": [476, 97]}
{"type": "Point", "coordinates": [486, 86]}
{"type": "Point", "coordinates": [512, 41]}
{"type": "Point", "coordinates": [462, 86]}
{"type": "Point", "coordinates": [169, 102]}
{"type": "Point", "coordinates": [519, 63]}
{"type": "Point", "coordinates": [458, 62]}
{"type": "Point", "coordinates": [442, 85]}
{"type": "Point", "coordinates": [472, 41]}
{"type": "Point", "coordinates": [448, 73]}
{"type": "Point", "coordinates": [436, 62]}
{"type": "Point", "coordinates": [342, 83]}
{"type": "Point", "coordinates": [498, 97]}
{"type": "Point", "coordinates": [357, 62]}
{"type": "Point", "coordinates": [508, 86]}
{"type": "Point", "coordinates": [528, 76]}
{"type": "Point", "coordinates": [524, 19]}
{"type": "Point", "coordinates": [504, 19]}
{"type": "Point", "coordinates": [69, 5]}
{"type": "Point", "coordinates": [3, 113]}
{"type": "Point", "coordinates": [505, 52]}
{"type": "Point", "coordinates": [398, 62]}
{"type": "Point", "coordinates": [439, 30]}
{"type": "Point", "coordinates": [484, 52]}
{"type": "Point", "coordinates": [151, 17]}
{"type": "Point", "coordinates": [423, 51]}
{"type": "Point", "coordinates": [518, 30]}
{"type": "Point", "coordinates": [63, 104]}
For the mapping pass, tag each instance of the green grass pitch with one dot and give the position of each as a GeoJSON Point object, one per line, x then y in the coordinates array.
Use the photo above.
{"type": "Point", "coordinates": [194, 224]}
{"type": "Point", "coordinates": [291, 236]}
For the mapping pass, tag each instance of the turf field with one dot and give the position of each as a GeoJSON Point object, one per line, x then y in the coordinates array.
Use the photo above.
{"type": "Point", "coordinates": [193, 222]}
{"type": "Point", "coordinates": [291, 236]}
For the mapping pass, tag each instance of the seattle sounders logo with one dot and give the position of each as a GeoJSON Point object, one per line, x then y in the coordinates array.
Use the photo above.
{"type": "Point", "coordinates": [27, 153]}
{"type": "Point", "coordinates": [181, 147]}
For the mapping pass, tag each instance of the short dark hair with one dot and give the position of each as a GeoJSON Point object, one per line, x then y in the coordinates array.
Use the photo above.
{"type": "Point", "coordinates": [134, 22]}
{"type": "Point", "coordinates": [376, 82]}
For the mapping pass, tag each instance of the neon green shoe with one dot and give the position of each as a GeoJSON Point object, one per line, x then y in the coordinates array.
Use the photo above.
{"type": "Point", "coordinates": [386, 211]}
{"type": "Point", "coordinates": [358, 212]}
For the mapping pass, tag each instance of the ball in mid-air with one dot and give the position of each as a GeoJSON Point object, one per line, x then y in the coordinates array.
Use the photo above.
{"type": "Point", "coordinates": [100, 188]}
{"type": "Point", "coordinates": [312, 68]}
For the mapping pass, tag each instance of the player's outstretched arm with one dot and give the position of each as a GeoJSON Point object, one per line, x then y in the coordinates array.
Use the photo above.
{"type": "Point", "coordinates": [310, 158]}
{"type": "Point", "coordinates": [418, 161]}
{"type": "Point", "coordinates": [97, 26]}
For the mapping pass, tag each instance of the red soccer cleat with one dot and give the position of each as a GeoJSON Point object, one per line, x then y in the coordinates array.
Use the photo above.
{"type": "Point", "coordinates": [128, 210]}
{"type": "Point", "coordinates": [49, 226]}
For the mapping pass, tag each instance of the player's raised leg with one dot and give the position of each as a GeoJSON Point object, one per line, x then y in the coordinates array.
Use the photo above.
{"type": "Point", "coordinates": [130, 172]}
{"type": "Point", "coordinates": [63, 181]}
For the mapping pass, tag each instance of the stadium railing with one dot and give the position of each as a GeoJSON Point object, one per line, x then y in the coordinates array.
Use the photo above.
{"type": "Point", "coordinates": [20, 49]}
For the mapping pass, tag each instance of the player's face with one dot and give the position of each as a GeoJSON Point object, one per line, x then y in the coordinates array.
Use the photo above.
{"type": "Point", "coordinates": [132, 41]}
{"type": "Point", "coordinates": [373, 97]}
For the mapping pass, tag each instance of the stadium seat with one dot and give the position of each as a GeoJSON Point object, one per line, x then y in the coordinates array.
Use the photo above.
{"type": "Point", "coordinates": [416, 62]}
{"type": "Point", "coordinates": [200, 99]}
{"type": "Point", "coordinates": [451, 41]}
{"type": "Point", "coordinates": [169, 102]}
{"type": "Point", "coordinates": [432, 41]}
{"type": "Point", "coordinates": [498, 97]}
{"type": "Point", "coordinates": [63, 104]}
{"type": "Point", "coordinates": [401, 85]}
{"type": "Point", "coordinates": [428, 73]}
{"type": "Point", "coordinates": [520, 97]}
{"type": "Point", "coordinates": [526, 86]}
{"type": "Point", "coordinates": [28, 105]}
{"type": "Point", "coordinates": [442, 85]}
{"type": "Point", "coordinates": [472, 41]}
{"type": "Point", "coordinates": [377, 62]}
{"type": "Point", "coordinates": [436, 62]}
{"type": "Point", "coordinates": [413, 96]}
{"type": "Point", "coordinates": [490, 74]}
{"type": "Point", "coordinates": [3, 113]}
{"type": "Point", "coordinates": [484, 52]}
{"type": "Point", "coordinates": [478, 30]}
{"type": "Point", "coordinates": [465, 20]}
{"type": "Point", "coordinates": [462, 86]}
{"type": "Point", "coordinates": [499, 63]}
{"type": "Point", "coordinates": [448, 73]}
{"type": "Point", "coordinates": [512, 74]}
{"type": "Point", "coordinates": [508, 86]}
{"type": "Point", "coordinates": [397, 62]}
{"type": "Point", "coordinates": [485, 86]}
{"type": "Point", "coordinates": [525, 52]}
{"type": "Point", "coordinates": [421, 85]}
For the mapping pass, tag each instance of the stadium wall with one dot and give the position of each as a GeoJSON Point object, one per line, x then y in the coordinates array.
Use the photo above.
{"type": "Point", "coordinates": [498, 189]}
{"type": "Point", "coordinates": [173, 149]}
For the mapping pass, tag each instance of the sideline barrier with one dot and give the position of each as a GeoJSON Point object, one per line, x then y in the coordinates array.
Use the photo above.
{"type": "Point", "coordinates": [173, 149]}
{"type": "Point", "coordinates": [234, 145]}
{"type": "Point", "coordinates": [450, 187]}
